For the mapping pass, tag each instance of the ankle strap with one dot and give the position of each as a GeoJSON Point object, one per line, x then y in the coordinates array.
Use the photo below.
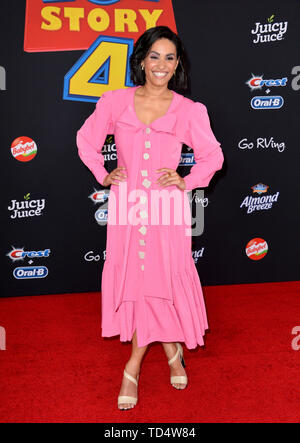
{"type": "Point", "coordinates": [130, 378]}
{"type": "Point", "coordinates": [174, 358]}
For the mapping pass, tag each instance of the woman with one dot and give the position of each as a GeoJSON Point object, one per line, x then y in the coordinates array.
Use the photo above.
{"type": "Point", "coordinates": [151, 290]}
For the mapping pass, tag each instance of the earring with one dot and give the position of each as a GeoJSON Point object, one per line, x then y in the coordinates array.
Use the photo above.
{"type": "Point", "coordinates": [143, 67]}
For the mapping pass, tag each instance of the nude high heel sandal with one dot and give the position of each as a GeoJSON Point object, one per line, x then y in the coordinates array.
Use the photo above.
{"type": "Point", "coordinates": [125, 399]}
{"type": "Point", "coordinates": [181, 379]}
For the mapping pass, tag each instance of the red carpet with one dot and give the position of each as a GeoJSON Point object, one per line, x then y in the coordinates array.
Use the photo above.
{"type": "Point", "coordinates": [58, 369]}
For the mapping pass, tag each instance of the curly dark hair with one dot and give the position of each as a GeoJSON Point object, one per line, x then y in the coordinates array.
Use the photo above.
{"type": "Point", "coordinates": [181, 81]}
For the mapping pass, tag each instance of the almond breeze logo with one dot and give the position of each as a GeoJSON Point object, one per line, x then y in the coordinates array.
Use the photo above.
{"type": "Point", "coordinates": [197, 254]}
{"type": "Point", "coordinates": [260, 202]}
{"type": "Point", "coordinates": [270, 31]}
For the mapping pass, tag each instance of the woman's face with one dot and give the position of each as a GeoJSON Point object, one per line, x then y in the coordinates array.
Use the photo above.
{"type": "Point", "coordinates": [161, 62]}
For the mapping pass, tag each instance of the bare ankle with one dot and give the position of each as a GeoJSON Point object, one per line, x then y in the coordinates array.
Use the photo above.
{"type": "Point", "coordinates": [133, 367]}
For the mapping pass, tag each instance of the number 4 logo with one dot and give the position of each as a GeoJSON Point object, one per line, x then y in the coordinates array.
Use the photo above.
{"type": "Point", "coordinates": [103, 67]}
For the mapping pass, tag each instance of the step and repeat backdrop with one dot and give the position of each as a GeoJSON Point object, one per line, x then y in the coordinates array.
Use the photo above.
{"type": "Point", "coordinates": [57, 59]}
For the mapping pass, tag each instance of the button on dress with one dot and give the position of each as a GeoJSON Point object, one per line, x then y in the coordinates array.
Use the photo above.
{"type": "Point", "coordinates": [150, 283]}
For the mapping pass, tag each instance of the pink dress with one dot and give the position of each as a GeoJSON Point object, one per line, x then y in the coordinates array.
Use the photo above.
{"type": "Point", "coordinates": [150, 282]}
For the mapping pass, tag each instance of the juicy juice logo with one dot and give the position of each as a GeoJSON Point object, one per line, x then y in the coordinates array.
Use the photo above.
{"type": "Point", "coordinates": [109, 149]}
{"type": "Point", "coordinates": [269, 32]}
{"type": "Point", "coordinates": [26, 208]}
{"type": "Point", "coordinates": [23, 149]}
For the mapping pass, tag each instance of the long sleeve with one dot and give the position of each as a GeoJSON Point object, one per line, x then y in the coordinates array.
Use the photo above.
{"type": "Point", "coordinates": [91, 136]}
{"type": "Point", "coordinates": [207, 151]}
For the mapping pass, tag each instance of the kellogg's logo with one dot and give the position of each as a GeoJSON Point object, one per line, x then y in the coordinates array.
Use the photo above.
{"type": "Point", "coordinates": [256, 248]}
{"type": "Point", "coordinates": [23, 149]}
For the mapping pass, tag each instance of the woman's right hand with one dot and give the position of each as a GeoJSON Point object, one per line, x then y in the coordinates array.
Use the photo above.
{"type": "Point", "coordinates": [115, 176]}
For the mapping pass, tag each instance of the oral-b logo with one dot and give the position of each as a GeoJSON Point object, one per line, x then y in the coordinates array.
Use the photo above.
{"type": "Point", "coordinates": [101, 216]}
{"type": "Point", "coordinates": [263, 102]}
{"type": "Point", "coordinates": [27, 272]}
{"type": "Point", "coordinates": [187, 159]}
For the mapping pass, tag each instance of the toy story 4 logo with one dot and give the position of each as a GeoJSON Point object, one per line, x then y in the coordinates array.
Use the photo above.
{"type": "Point", "coordinates": [107, 29]}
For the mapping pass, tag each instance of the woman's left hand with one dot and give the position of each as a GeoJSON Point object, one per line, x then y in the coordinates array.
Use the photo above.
{"type": "Point", "coordinates": [170, 178]}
